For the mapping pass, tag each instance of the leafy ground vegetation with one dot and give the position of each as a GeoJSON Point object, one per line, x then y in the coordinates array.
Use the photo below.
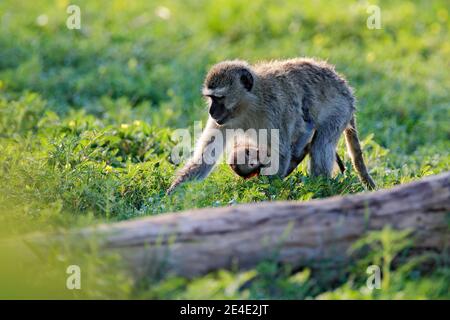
{"type": "Point", "coordinates": [86, 118]}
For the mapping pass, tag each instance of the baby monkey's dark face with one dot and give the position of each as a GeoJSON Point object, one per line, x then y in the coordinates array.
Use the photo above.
{"type": "Point", "coordinates": [245, 161]}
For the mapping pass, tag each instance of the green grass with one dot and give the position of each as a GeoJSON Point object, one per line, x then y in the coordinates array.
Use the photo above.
{"type": "Point", "coordinates": [86, 118]}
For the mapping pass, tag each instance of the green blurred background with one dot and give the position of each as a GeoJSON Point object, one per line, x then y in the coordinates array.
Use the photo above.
{"type": "Point", "coordinates": [86, 117]}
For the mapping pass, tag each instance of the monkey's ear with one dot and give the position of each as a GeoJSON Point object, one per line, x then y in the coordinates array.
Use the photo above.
{"type": "Point", "coordinates": [247, 79]}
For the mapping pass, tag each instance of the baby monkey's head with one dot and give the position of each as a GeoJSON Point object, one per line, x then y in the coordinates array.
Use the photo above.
{"type": "Point", "coordinates": [245, 162]}
{"type": "Point", "coordinates": [228, 89]}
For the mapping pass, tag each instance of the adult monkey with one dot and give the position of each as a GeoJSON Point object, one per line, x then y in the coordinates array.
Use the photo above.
{"type": "Point", "coordinates": [275, 95]}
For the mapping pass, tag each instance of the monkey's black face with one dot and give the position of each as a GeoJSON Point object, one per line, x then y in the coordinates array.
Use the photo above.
{"type": "Point", "coordinates": [218, 111]}
{"type": "Point", "coordinates": [228, 87]}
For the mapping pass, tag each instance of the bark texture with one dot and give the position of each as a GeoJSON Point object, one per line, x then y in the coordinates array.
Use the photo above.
{"type": "Point", "coordinates": [195, 242]}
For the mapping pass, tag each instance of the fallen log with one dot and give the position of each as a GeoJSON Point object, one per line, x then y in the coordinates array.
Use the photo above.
{"type": "Point", "coordinates": [195, 242]}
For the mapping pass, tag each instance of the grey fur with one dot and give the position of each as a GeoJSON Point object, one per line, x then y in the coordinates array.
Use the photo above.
{"type": "Point", "coordinates": [284, 95]}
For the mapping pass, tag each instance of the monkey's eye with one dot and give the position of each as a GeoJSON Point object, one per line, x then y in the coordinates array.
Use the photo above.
{"type": "Point", "coordinates": [217, 99]}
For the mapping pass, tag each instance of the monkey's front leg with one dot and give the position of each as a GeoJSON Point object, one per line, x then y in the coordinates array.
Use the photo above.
{"type": "Point", "coordinates": [209, 148]}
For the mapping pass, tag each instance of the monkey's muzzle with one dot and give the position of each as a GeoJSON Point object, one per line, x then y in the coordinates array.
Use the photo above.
{"type": "Point", "coordinates": [219, 113]}
{"type": "Point", "coordinates": [223, 119]}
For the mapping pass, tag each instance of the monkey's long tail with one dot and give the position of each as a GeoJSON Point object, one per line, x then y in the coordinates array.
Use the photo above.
{"type": "Point", "coordinates": [354, 148]}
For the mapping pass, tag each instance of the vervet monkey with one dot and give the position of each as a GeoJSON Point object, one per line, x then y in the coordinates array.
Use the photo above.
{"type": "Point", "coordinates": [245, 158]}
{"type": "Point", "coordinates": [277, 95]}
{"type": "Point", "coordinates": [251, 166]}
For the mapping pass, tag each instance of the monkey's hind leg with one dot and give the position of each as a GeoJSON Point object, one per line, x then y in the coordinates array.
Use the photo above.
{"type": "Point", "coordinates": [296, 161]}
{"type": "Point", "coordinates": [323, 150]}
{"type": "Point", "coordinates": [303, 146]}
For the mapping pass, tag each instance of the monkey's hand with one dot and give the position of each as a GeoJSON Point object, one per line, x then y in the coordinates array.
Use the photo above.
{"type": "Point", "coordinates": [205, 156]}
{"type": "Point", "coordinates": [191, 171]}
{"type": "Point", "coordinates": [173, 186]}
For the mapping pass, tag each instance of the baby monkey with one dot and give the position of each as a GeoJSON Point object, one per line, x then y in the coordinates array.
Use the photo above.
{"type": "Point", "coordinates": [252, 166]}
{"type": "Point", "coordinates": [245, 158]}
